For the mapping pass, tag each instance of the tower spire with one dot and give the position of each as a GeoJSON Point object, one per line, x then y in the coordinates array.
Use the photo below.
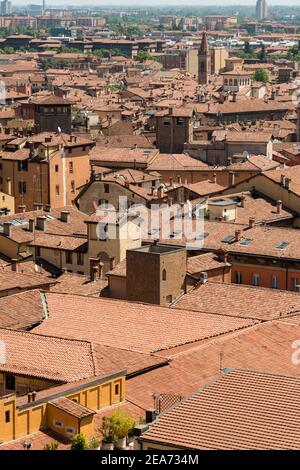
{"type": "Point", "coordinates": [204, 43]}
{"type": "Point", "coordinates": [204, 61]}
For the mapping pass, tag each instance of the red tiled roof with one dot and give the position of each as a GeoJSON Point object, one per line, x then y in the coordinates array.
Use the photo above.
{"type": "Point", "coordinates": [242, 410]}
{"type": "Point", "coordinates": [72, 408]}
{"type": "Point", "coordinates": [129, 325]}
{"type": "Point", "coordinates": [240, 301]}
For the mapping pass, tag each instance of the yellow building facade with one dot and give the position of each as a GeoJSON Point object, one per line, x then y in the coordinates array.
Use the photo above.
{"type": "Point", "coordinates": [20, 417]}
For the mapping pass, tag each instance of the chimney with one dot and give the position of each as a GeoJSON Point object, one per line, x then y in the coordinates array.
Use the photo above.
{"type": "Point", "coordinates": [160, 192]}
{"type": "Point", "coordinates": [33, 394]}
{"type": "Point", "coordinates": [150, 416]}
{"type": "Point", "coordinates": [243, 198]}
{"type": "Point", "coordinates": [7, 229]}
{"type": "Point", "coordinates": [231, 180]}
{"type": "Point", "coordinates": [179, 179]}
{"type": "Point", "coordinates": [170, 111]}
{"type": "Point", "coordinates": [31, 227]}
{"type": "Point", "coordinates": [93, 273]}
{"type": "Point", "coordinates": [31, 149]}
{"type": "Point", "coordinates": [65, 216]}
{"type": "Point", "coordinates": [222, 255]}
{"type": "Point", "coordinates": [37, 206]}
{"type": "Point", "coordinates": [251, 222]}
{"type": "Point", "coordinates": [41, 222]}
{"type": "Point", "coordinates": [297, 288]}
{"type": "Point", "coordinates": [47, 208]}
{"type": "Point", "coordinates": [282, 180]}
{"type": "Point", "coordinates": [278, 207]}
{"type": "Point", "coordinates": [29, 397]}
{"type": "Point", "coordinates": [112, 263]}
{"type": "Point", "coordinates": [287, 183]}
{"type": "Point", "coordinates": [22, 208]}
{"type": "Point", "coordinates": [234, 97]}
{"type": "Point", "coordinates": [171, 182]}
{"type": "Point", "coordinates": [14, 265]}
{"type": "Point", "coordinates": [215, 178]}
{"type": "Point", "coordinates": [237, 235]}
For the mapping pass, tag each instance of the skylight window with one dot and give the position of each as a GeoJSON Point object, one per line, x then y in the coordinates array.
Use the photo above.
{"type": "Point", "coordinates": [228, 239]}
{"type": "Point", "coordinates": [201, 236]}
{"type": "Point", "coordinates": [245, 241]}
{"type": "Point", "coordinates": [282, 245]}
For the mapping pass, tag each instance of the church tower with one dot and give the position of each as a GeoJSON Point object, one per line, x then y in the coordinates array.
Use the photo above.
{"type": "Point", "coordinates": [204, 61]}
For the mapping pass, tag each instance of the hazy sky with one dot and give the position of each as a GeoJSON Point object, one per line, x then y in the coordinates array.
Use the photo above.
{"type": "Point", "coordinates": [155, 2]}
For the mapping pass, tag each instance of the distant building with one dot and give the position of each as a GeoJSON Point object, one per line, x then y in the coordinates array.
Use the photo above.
{"type": "Point", "coordinates": [204, 61]}
{"type": "Point", "coordinates": [155, 274]}
{"type": "Point", "coordinates": [183, 59]}
{"type": "Point", "coordinates": [174, 128]}
{"type": "Point", "coordinates": [52, 113]}
{"type": "Point", "coordinates": [6, 7]}
{"type": "Point", "coordinates": [261, 9]}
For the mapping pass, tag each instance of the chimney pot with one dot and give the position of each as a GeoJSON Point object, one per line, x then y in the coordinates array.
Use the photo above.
{"type": "Point", "coordinates": [14, 265]}
{"type": "Point", "coordinates": [112, 263]}
{"type": "Point", "coordinates": [231, 178]}
{"type": "Point", "coordinates": [279, 206]}
{"type": "Point", "coordinates": [22, 208]}
{"type": "Point", "coordinates": [41, 222]}
{"type": "Point", "coordinates": [251, 222]}
{"type": "Point", "coordinates": [31, 227]}
{"type": "Point", "coordinates": [160, 192]}
{"type": "Point", "coordinates": [7, 229]}
{"type": "Point", "coordinates": [237, 235]}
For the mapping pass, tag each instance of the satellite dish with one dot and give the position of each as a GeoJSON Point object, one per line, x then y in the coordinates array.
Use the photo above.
{"type": "Point", "coordinates": [246, 155]}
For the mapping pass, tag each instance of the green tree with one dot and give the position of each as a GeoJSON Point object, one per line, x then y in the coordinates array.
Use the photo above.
{"type": "Point", "coordinates": [142, 56]}
{"type": "Point", "coordinates": [261, 75]}
{"type": "Point", "coordinates": [79, 442]}
{"type": "Point", "coordinates": [262, 55]}
{"type": "Point", "coordinates": [247, 48]}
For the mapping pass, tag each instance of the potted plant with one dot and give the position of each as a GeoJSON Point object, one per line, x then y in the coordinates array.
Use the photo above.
{"type": "Point", "coordinates": [51, 446]}
{"type": "Point", "coordinates": [94, 443]}
{"type": "Point", "coordinates": [122, 425]}
{"type": "Point", "coordinates": [79, 442]}
{"type": "Point", "coordinates": [108, 435]}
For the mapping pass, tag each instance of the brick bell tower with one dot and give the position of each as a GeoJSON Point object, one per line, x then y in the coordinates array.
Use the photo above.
{"type": "Point", "coordinates": [204, 61]}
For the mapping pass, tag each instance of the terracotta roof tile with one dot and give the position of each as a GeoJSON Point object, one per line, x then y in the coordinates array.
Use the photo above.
{"type": "Point", "coordinates": [129, 325]}
{"type": "Point", "coordinates": [242, 410]}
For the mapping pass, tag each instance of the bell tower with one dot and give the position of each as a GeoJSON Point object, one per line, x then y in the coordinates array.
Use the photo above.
{"type": "Point", "coordinates": [204, 61]}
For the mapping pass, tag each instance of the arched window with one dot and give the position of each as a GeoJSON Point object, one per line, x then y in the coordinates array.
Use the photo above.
{"type": "Point", "coordinates": [164, 275]}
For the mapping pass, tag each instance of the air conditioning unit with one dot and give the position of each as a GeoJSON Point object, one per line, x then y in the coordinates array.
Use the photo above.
{"type": "Point", "coordinates": [203, 278]}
